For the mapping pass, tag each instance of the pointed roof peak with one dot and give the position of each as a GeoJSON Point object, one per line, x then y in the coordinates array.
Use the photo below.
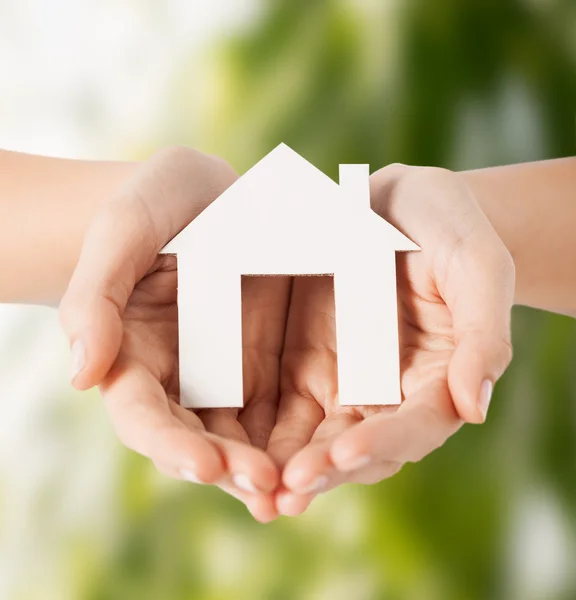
{"type": "Point", "coordinates": [282, 153]}
{"type": "Point", "coordinates": [284, 149]}
{"type": "Point", "coordinates": [286, 169]}
{"type": "Point", "coordinates": [285, 162]}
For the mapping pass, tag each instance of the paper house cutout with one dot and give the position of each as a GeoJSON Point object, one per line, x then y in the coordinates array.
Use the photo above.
{"type": "Point", "coordinates": [285, 217]}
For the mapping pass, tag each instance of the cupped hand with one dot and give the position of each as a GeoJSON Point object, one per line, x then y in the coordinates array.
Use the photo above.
{"type": "Point", "coordinates": [120, 315]}
{"type": "Point", "coordinates": [454, 303]}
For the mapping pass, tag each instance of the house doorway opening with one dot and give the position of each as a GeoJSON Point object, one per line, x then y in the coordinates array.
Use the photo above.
{"type": "Point", "coordinates": [290, 318]}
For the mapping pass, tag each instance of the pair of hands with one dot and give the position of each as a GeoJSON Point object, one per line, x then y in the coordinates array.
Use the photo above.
{"type": "Point", "coordinates": [291, 440]}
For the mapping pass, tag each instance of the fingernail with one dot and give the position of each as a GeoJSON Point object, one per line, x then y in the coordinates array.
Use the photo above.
{"type": "Point", "coordinates": [317, 485]}
{"type": "Point", "coordinates": [78, 353]}
{"type": "Point", "coordinates": [485, 397]}
{"type": "Point", "coordinates": [190, 476]}
{"type": "Point", "coordinates": [244, 483]}
{"type": "Point", "coordinates": [358, 462]}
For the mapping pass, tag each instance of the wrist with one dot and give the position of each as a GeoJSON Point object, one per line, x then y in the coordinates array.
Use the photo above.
{"type": "Point", "coordinates": [46, 206]}
{"type": "Point", "coordinates": [93, 185]}
{"type": "Point", "coordinates": [502, 220]}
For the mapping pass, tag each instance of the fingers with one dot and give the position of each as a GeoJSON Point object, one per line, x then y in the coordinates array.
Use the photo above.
{"type": "Point", "coordinates": [369, 451]}
{"type": "Point", "coordinates": [143, 419]}
{"type": "Point", "coordinates": [261, 506]}
{"type": "Point", "coordinates": [291, 504]}
{"type": "Point", "coordinates": [310, 471]}
{"type": "Point", "coordinates": [94, 329]}
{"type": "Point", "coordinates": [241, 438]}
{"type": "Point", "coordinates": [478, 362]}
{"type": "Point", "coordinates": [308, 386]}
{"type": "Point", "coordinates": [250, 469]}
{"type": "Point", "coordinates": [309, 371]}
{"type": "Point", "coordinates": [168, 192]}
{"type": "Point", "coordinates": [251, 476]}
{"type": "Point", "coordinates": [264, 313]}
{"type": "Point", "coordinates": [479, 291]}
{"type": "Point", "coordinates": [174, 438]}
{"type": "Point", "coordinates": [422, 423]}
{"type": "Point", "coordinates": [298, 418]}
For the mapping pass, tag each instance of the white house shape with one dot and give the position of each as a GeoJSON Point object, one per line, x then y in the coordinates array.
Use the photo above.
{"type": "Point", "coordinates": [285, 217]}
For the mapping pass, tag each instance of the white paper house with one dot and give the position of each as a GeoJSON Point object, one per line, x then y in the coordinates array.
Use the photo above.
{"type": "Point", "coordinates": [285, 217]}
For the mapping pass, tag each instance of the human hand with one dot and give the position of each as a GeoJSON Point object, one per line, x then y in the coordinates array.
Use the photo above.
{"type": "Point", "coordinates": [120, 316]}
{"type": "Point", "coordinates": [454, 300]}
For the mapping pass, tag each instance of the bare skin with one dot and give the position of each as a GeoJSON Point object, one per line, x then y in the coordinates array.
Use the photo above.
{"type": "Point", "coordinates": [120, 314]}
{"type": "Point", "coordinates": [291, 440]}
{"type": "Point", "coordinates": [455, 297]}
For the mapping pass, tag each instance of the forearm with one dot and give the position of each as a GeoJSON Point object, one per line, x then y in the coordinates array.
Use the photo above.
{"type": "Point", "coordinates": [533, 208]}
{"type": "Point", "coordinates": [45, 207]}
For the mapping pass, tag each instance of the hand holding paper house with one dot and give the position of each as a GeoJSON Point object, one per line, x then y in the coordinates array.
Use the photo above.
{"type": "Point", "coordinates": [294, 221]}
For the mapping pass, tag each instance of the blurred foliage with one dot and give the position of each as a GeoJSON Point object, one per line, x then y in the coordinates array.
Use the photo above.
{"type": "Point", "coordinates": [380, 82]}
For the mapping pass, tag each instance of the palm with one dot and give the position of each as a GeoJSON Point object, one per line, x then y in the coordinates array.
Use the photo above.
{"type": "Point", "coordinates": [425, 326]}
{"type": "Point", "coordinates": [290, 376]}
{"type": "Point", "coordinates": [309, 417]}
{"type": "Point", "coordinates": [142, 388]}
{"type": "Point", "coordinates": [151, 327]}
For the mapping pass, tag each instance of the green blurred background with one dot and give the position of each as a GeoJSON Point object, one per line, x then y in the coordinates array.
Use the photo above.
{"type": "Point", "coordinates": [454, 83]}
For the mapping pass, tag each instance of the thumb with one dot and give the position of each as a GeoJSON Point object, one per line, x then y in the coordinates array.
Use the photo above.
{"type": "Point", "coordinates": [115, 255]}
{"type": "Point", "coordinates": [93, 349]}
{"type": "Point", "coordinates": [480, 296]}
{"type": "Point", "coordinates": [472, 268]}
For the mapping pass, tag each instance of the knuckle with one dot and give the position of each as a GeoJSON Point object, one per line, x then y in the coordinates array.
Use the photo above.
{"type": "Point", "coordinates": [419, 455]}
{"type": "Point", "coordinates": [437, 439]}
{"type": "Point", "coordinates": [223, 165]}
{"type": "Point", "coordinates": [507, 267]}
{"type": "Point", "coordinates": [385, 470]}
{"type": "Point", "coordinates": [220, 175]}
{"type": "Point", "coordinates": [127, 439]}
{"type": "Point", "coordinates": [438, 427]}
{"type": "Point", "coordinates": [192, 160]}
{"type": "Point", "coordinates": [505, 352]}
{"type": "Point", "coordinates": [401, 190]}
{"type": "Point", "coordinates": [163, 469]}
{"type": "Point", "coordinates": [123, 430]}
{"type": "Point", "coordinates": [65, 312]}
{"type": "Point", "coordinates": [481, 258]}
{"type": "Point", "coordinates": [129, 436]}
{"type": "Point", "coordinates": [178, 155]}
{"type": "Point", "coordinates": [429, 178]}
{"type": "Point", "coordinates": [492, 256]}
{"type": "Point", "coordinates": [72, 312]}
{"type": "Point", "coordinates": [175, 164]}
{"type": "Point", "coordinates": [129, 223]}
{"type": "Point", "coordinates": [121, 214]}
{"type": "Point", "coordinates": [393, 468]}
{"type": "Point", "coordinates": [190, 165]}
{"type": "Point", "coordinates": [395, 169]}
